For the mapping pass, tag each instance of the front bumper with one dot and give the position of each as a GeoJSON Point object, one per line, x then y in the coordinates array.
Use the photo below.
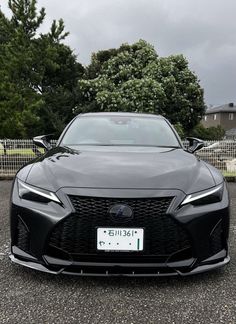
{"type": "Point", "coordinates": [200, 222]}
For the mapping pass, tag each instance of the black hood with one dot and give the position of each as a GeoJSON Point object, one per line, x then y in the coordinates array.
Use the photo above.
{"type": "Point", "coordinates": [120, 168]}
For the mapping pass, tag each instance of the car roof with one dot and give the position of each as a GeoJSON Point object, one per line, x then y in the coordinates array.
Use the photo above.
{"type": "Point", "coordinates": [121, 114]}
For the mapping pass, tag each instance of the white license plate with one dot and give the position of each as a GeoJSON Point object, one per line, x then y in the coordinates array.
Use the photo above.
{"type": "Point", "coordinates": [120, 239]}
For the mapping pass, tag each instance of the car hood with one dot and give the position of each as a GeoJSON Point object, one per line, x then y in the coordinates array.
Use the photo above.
{"type": "Point", "coordinates": [120, 168]}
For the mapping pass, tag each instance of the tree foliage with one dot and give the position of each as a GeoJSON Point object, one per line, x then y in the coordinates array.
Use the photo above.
{"type": "Point", "coordinates": [134, 78]}
{"type": "Point", "coordinates": [210, 133]}
{"type": "Point", "coordinates": [39, 73]}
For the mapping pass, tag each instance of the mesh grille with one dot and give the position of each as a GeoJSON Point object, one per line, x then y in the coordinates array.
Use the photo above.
{"type": "Point", "coordinates": [23, 239]}
{"type": "Point", "coordinates": [76, 234]}
{"type": "Point", "coordinates": [217, 239]}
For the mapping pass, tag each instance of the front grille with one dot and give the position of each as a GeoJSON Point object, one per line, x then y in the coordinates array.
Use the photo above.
{"type": "Point", "coordinates": [76, 234]}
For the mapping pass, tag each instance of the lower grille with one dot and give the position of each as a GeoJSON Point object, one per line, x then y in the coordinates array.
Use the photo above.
{"type": "Point", "coordinates": [76, 234]}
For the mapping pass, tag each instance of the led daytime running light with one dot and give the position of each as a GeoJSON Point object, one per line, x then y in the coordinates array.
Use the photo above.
{"type": "Point", "coordinates": [191, 197]}
{"type": "Point", "coordinates": [49, 195]}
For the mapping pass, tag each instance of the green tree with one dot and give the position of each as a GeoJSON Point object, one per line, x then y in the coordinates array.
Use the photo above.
{"type": "Point", "coordinates": [210, 133]}
{"type": "Point", "coordinates": [39, 73]}
{"type": "Point", "coordinates": [60, 74]}
{"type": "Point", "coordinates": [134, 78]}
{"type": "Point", "coordinates": [16, 97]}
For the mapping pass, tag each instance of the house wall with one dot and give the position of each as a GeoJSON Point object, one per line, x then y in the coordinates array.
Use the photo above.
{"type": "Point", "coordinates": [222, 119]}
{"type": "Point", "coordinates": [210, 122]}
{"type": "Point", "coordinates": [226, 123]}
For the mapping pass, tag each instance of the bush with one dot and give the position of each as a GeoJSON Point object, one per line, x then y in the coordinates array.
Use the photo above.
{"type": "Point", "coordinates": [211, 133]}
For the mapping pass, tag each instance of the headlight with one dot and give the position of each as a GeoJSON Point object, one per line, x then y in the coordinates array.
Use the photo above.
{"type": "Point", "coordinates": [209, 196]}
{"type": "Point", "coordinates": [36, 194]}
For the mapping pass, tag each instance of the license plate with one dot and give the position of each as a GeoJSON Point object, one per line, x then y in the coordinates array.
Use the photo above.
{"type": "Point", "coordinates": [120, 239]}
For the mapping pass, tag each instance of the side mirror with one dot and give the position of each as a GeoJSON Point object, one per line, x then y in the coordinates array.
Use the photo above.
{"type": "Point", "coordinates": [195, 144]}
{"type": "Point", "coordinates": [43, 141]}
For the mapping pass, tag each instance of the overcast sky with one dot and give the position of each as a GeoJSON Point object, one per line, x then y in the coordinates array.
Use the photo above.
{"type": "Point", "coordinates": [203, 30]}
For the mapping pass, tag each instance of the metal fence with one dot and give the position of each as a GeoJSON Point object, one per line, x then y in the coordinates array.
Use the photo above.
{"type": "Point", "coordinates": [15, 153]}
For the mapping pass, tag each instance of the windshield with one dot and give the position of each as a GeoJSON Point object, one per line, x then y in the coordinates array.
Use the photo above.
{"type": "Point", "coordinates": [120, 130]}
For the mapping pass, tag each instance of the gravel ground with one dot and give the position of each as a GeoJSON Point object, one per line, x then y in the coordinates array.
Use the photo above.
{"type": "Point", "coordinates": [27, 296]}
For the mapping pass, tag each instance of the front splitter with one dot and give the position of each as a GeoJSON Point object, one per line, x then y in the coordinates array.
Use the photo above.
{"type": "Point", "coordinates": [81, 272]}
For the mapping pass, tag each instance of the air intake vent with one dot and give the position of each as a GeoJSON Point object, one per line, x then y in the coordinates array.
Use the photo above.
{"type": "Point", "coordinates": [23, 237]}
{"type": "Point", "coordinates": [217, 239]}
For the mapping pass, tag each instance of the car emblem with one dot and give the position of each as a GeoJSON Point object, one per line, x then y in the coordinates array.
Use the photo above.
{"type": "Point", "coordinates": [121, 213]}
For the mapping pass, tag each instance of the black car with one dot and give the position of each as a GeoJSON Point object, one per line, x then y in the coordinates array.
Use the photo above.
{"type": "Point", "coordinates": [119, 195]}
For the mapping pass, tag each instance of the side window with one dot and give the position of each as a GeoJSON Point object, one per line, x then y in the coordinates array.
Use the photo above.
{"type": "Point", "coordinates": [205, 118]}
{"type": "Point", "coordinates": [231, 116]}
{"type": "Point", "coordinates": [214, 117]}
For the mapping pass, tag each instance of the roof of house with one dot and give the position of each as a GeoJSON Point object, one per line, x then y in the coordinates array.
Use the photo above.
{"type": "Point", "coordinates": [229, 107]}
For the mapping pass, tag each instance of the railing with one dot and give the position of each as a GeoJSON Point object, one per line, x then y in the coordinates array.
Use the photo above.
{"type": "Point", "coordinates": [15, 153]}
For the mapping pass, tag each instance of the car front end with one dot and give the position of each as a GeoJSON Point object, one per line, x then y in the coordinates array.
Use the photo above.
{"type": "Point", "coordinates": [58, 233]}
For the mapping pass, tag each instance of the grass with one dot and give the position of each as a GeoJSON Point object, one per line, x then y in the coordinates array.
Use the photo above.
{"type": "Point", "coordinates": [20, 152]}
{"type": "Point", "coordinates": [229, 174]}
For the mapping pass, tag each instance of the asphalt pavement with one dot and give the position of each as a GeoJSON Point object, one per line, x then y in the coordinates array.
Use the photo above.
{"type": "Point", "coordinates": [27, 296]}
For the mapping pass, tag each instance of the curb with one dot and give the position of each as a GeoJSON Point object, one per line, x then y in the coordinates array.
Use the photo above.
{"type": "Point", "coordinates": [2, 178]}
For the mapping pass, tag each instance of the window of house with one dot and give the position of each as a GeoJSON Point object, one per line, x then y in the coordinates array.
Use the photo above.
{"type": "Point", "coordinates": [205, 118]}
{"type": "Point", "coordinates": [214, 117]}
{"type": "Point", "coordinates": [231, 116]}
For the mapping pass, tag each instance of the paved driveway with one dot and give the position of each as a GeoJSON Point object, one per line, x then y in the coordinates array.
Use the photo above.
{"type": "Point", "coordinates": [27, 296]}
